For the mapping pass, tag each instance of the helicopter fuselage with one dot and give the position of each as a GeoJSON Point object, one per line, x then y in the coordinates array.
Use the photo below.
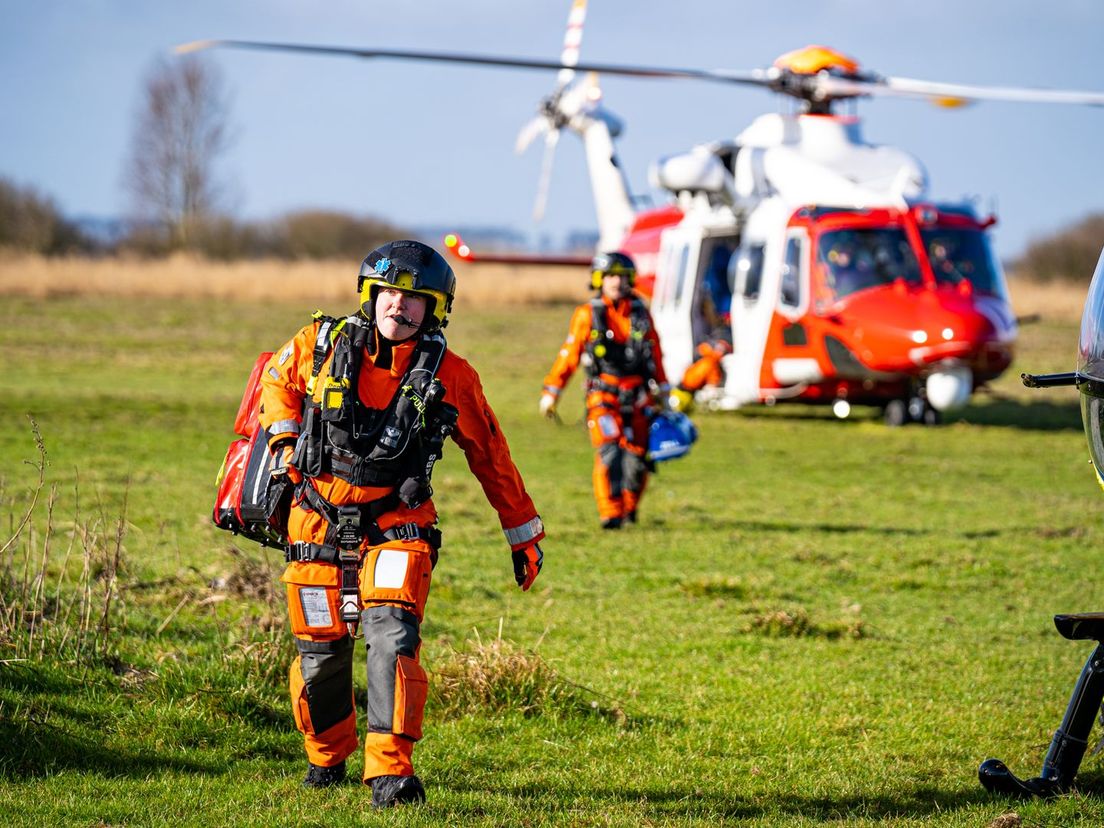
{"type": "Point", "coordinates": [817, 257]}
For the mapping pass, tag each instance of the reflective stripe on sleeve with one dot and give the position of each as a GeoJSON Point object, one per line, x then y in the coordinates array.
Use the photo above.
{"type": "Point", "coordinates": [284, 427]}
{"type": "Point", "coordinates": [524, 533]}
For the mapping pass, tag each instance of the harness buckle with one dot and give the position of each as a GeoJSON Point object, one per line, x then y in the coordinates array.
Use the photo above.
{"type": "Point", "coordinates": [407, 531]}
{"type": "Point", "coordinates": [348, 527]}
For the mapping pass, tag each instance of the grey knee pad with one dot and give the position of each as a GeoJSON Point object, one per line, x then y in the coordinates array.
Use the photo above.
{"type": "Point", "coordinates": [388, 633]}
{"type": "Point", "coordinates": [635, 471]}
{"type": "Point", "coordinates": [610, 455]}
{"type": "Point", "coordinates": [327, 668]}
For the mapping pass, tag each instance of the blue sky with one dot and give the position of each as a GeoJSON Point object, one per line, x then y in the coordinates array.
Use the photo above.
{"type": "Point", "coordinates": [434, 145]}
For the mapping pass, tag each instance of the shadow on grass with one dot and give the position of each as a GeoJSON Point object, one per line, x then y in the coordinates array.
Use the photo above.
{"type": "Point", "coordinates": [691, 802]}
{"type": "Point", "coordinates": [1042, 415]}
{"type": "Point", "coordinates": [793, 527]}
{"type": "Point", "coordinates": [52, 722]}
{"type": "Point", "coordinates": [41, 748]}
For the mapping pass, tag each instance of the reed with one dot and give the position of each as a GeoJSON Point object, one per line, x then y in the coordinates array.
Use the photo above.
{"type": "Point", "coordinates": [42, 614]}
{"type": "Point", "coordinates": [322, 282]}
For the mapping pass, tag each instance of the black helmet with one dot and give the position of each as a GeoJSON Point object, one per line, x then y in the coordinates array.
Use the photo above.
{"type": "Point", "coordinates": [611, 264]}
{"type": "Point", "coordinates": [410, 266]}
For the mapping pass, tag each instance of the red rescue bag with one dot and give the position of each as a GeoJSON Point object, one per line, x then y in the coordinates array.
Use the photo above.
{"type": "Point", "coordinates": [250, 501]}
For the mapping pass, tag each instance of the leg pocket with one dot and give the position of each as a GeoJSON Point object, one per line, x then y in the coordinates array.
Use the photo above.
{"type": "Point", "coordinates": [314, 599]}
{"type": "Point", "coordinates": [411, 688]}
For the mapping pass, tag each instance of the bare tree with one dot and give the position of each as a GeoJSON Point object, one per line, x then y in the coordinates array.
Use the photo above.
{"type": "Point", "coordinates": [180, 132]}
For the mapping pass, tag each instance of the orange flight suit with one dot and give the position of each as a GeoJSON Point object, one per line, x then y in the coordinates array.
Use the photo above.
{"type": "Point", "coordinates": [617, 404]}
{"type": "Point", "coordinates": [706, 370]}
{"type": "Point", "coordinates": [394, 577]}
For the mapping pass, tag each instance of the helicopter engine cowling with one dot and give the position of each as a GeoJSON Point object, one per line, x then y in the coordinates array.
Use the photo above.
{"type": "Point", "coordinates": [694, 171]}
{"type": "Point", "coordinates": [948, 388]}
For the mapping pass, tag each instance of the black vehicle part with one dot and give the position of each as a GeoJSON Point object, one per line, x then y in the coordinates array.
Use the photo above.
{"type": "Point", "coordinates": [1067, 748]}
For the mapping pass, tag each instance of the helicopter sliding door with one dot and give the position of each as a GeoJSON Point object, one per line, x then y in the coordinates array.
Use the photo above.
{"type": "Point", "coordinates": [692, 300]}
{"type": "Point", "coordinates": [756, 277]}
{"type": "Point", "coordinates": [673, 296]}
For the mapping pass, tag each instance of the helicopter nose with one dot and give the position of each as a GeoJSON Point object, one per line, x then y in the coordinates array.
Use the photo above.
{"type": "Point", "coordinates": [963, 329]}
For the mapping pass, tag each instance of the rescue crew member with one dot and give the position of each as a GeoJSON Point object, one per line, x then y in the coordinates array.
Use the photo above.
{"type": "Point", "coordinates": [357, 410]}
{"type": "Point", "coordinates": [614, 337]}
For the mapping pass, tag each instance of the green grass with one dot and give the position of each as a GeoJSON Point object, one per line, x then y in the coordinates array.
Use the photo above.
{"type": "Point", "coordinates": [814, 621]}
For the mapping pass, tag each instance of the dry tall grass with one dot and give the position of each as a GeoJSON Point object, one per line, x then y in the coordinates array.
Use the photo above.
{"type": "Point", "coordinates": [332, 282]}
{"type": "Point", "coordinates": [1056, 301]}
{"type": "Point", "coordinates": [313, 281]}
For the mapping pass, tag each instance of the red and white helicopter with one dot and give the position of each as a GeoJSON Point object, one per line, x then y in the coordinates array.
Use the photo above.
{"type": "Point", "coordinates": [817, 255]}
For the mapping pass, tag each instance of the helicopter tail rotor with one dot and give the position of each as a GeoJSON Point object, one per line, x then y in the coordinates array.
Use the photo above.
{"type": "Point", "coordinates": [552, 116]}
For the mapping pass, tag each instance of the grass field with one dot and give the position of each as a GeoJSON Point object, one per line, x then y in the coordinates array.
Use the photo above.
{"type": "Point", "coordinates": [815, 621]}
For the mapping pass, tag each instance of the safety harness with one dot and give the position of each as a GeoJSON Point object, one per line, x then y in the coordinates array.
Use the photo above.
{"type": "Point", "coordinates": [396, 447]}
{"type": "Point", "coordinates": [633, 357]}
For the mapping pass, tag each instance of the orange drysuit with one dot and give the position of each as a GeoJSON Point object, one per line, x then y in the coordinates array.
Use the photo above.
{"type": "Point", "coordinates": [394, 575]}
{"type": "Point", "coordinates": [706, 370]}
{"type": "Point", "coordinates": [618, 397]}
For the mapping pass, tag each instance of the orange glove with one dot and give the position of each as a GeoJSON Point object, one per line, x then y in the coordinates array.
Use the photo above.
{"type": "Point", "coordinates": [527, 565]}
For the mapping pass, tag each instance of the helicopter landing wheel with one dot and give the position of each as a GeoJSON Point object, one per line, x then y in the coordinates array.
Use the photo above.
{"type": "Point", "coordinates": [896, 413]}
{"type": "Point", "coordinates": [921, 411]}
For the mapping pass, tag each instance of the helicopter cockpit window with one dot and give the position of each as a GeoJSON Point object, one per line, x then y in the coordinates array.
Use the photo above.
{"type": "Point", "coordinates": [1091, 368]}
{"type": "Point", "coordinates": [959, 255]}
{"type": "Point", "coordinates": [1090, 365]}
{"type": "Point", "coordinates": [749, 271]}
{"type": "Point", "coordinates": [681, 262]}
{"type": "Point", "coordinates": [855, 260]}
{"type": "Point", "coordinates": [1090, 344]}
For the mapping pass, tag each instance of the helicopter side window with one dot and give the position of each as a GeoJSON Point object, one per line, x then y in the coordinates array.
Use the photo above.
{"type": "Point", "coordinates": [716, 288]}
{"type": "Point", "coordinates": [855, 260]}
{"type": "Point", "coordinates": [790, 295]}
{"type": "Point", "coordinates": [749, 271]}
{"type": "Point", "coordinates": [682, 260]}
{"type": "Point", "coordinates": [960, 255]}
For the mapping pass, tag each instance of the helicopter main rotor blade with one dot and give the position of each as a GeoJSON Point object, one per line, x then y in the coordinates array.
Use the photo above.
{"type": "Point", "coordinates": [756, 77]}
{"type": "Point", "coordinates": [834, 87]}
{"type": "Point", "coordinates": [530, 130]}
{"type": "Point", "coordinates": [818, 86]}
{"type": "Point", "coordinates": [544, 183]}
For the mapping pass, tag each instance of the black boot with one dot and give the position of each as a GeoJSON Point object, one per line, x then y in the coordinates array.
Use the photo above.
{"type": "Point", "coordinates": [322, 777]}
{"type": "Point", "coordinates": [389, 791]}
{"type": "Point", "coordinates": [611, 523]}
{"type": "Point", "coordinates": [630, 517]}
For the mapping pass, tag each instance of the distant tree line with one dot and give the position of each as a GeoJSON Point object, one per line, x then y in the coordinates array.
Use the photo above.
{"type": "Point", "coordinates": [31, 222]}
{"type": "Point", "coordinates": [1069, 255]}
{"type": "Point", "coordinates": [177, 193]}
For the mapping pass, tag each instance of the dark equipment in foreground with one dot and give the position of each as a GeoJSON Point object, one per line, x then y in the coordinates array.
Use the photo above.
{"type": "Point", "coordinates": [1067, 748]}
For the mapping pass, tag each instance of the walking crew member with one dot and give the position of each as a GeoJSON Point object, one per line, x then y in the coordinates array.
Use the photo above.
{"type": "Point", "coordinates": [358, 409]}
{"type": "Point", "coordinates": [614, 337]}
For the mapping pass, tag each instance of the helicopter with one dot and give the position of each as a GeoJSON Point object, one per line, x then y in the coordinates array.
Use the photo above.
{"type": "Point", "coordinates": [816, 257]}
